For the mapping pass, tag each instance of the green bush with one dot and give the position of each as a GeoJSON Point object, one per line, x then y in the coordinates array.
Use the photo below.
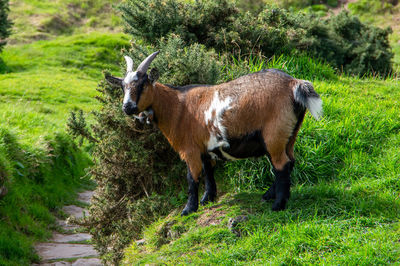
{"type": "Point", "coordinates": [342, 40]}
{"type": "Point", "coordinates": [181, 64]}
{"type": "Point", "coordinates": [5, 23]}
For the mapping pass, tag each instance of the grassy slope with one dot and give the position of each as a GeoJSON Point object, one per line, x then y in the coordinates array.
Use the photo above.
{"type": "Point", "coordinates": [345, 201]}
{"type": "Point", "coordinates": [44, 19]}
{"type": "Point", "coordinates": [46, 80]}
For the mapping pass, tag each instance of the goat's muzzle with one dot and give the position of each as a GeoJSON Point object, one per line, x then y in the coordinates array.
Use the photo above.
{"type": "Point", "coordinates": [130, 108]}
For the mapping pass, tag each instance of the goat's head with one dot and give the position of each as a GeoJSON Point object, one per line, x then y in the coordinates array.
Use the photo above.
{"type": "Point", "coordinates": [137, 85]}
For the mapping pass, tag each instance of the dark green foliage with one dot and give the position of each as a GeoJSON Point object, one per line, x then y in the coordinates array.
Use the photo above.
{"type": "Point", "coordinates": [198, 21]}
{"type": "Point", "coordinates": [181, 64]}
{"type": "Point", "coordinates": [38, 182]}
{"type": "Point", "coordinates": [341, 40]}
{"type": "Point", "coordinates": [5, 23]}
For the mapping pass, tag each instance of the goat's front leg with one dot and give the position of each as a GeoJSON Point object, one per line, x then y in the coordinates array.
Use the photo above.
{"type": "Point", "coordinates": [210, 186]}
{"type": "Point", "coordinates": [193, 195]}
{"type": "Point", "coordinates": [194, 170]}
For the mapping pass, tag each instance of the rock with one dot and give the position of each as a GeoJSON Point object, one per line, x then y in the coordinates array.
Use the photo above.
{"type": "Point", "coordinates": [56, 251]}
{"type": "Point", "coordinates": [75, 211]}
{"type": "Point", "coordinates": [79, 262]}
{"type": "Point", "coordinates": [3, 191]}
{"type": "Point", "coordinates": [66, 227]}
{"type": "Point", "coordinates": [140, 242]}
{"type": "Point", "coordinates": [234, 222]}
{"type": "Point", "coordinates": [87, 262]}
{"type": "Point", "coordinates": [63, 238]}
{"type": "Point", "coordinates": [85, 196]}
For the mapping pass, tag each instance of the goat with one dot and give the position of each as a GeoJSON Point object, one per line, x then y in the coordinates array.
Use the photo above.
{"type": "Point", "coordinates": [256, 114]}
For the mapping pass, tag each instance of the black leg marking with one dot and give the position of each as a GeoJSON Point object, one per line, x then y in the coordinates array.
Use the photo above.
{"type": "Point", "coordinates": [282, 187]}
{"type": "Point", "coordinates": [193, 199]}
{"type": "Point", "coordinates": [271, 193]}
{"type": "Point", "coordinates": [211, 188]}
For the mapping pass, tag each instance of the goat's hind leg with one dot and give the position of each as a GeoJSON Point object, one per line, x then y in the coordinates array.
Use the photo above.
{"type": "Point", "coordinates": [282, 167]}
{"type": "Point", "coordinates": [210, 192]}
{"type": "Point", "coordinates": [282, 186]}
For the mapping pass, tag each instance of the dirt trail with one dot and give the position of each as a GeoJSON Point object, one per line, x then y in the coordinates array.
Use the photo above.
{"type": "Point", "coordinates": [69, 247]}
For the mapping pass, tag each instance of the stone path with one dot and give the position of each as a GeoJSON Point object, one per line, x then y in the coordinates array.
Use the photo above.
{"type": "Point", "coordinates": [67, 248]}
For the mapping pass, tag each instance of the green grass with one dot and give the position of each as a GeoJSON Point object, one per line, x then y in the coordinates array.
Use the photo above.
{"type": "Point", "coordinates": [40, 84]}
{"type": "Point", "coordinates": [45, 19]}
{"type": "Point", "coordinates": [345, 202]}
{"type": "Point", "coordinates": [43, 81]}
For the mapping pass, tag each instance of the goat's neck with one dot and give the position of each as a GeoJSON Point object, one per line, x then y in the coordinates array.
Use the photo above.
{"type": "Point", "coordinates": [166, 106]}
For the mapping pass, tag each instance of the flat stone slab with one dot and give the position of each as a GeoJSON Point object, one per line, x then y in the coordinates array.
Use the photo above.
{"type": "Point", "coordinates": [67, 227]}
{"type": "Point", "coordinates": [79, 262]}
{"type": "Point", "coordinates": [63, 238]}
{"type": "Point", "coordinates": [56, 251]}
{"type": "Point", "coordinates": [75, 211]}
{"type": "Point", "coordinates": [85, 196]}
{"type": "Point", "coordinates": [87, 262]}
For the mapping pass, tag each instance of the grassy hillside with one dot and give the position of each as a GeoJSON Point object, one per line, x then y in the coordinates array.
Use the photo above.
{"type": "Point", "coordinates": [45, 80]}
{"type": "Point", "coordinates": [45, 19]}
{"type": "Point", "coordinates": [345, 211]}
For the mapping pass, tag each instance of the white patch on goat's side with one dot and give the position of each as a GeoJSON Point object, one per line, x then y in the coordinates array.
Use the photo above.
{"type": "Point", "coordinates": [130, 76]}
{"type": "Point", "coordinates": [127, 96]}
{"type": "Point", "coordinates": [218, 107]}
{"type": "Point", "coordinates": [314, 104]}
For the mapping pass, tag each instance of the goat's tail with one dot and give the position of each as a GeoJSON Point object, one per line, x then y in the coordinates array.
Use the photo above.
{"type": "Point", "coordinates": [305, 95]}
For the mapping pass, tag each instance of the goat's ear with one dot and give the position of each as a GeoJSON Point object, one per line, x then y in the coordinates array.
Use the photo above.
{"type": "Point", "coordinates": [113, 81]}
{"type": "Point", "coordinates": [153, 75]}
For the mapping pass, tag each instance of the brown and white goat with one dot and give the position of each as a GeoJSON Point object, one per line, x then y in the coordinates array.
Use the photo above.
{"type": "Point", "coordinates": [254, 115]}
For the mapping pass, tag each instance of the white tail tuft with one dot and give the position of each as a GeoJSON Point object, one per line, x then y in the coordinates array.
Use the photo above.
{"type": "Point", "coordinates": [305, 95]}
{"type": "Point", "coordinates": [315, 106]}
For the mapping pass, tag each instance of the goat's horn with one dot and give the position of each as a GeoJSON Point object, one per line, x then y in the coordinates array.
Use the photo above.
{"type": "Point", "coordinates": [129, 63]}
{"type": "Point", "coordinates": [142, 68]}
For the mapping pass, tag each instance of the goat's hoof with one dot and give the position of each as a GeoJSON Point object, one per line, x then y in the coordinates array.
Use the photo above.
{"type": "Point", "coordinates": [207, 198]}
{"type": "Point", "coordinates": [188, 210]}
{"type": "Point", "coordinates": [268, 196]}
{"type": "Point", "coordinates": [279, 205]}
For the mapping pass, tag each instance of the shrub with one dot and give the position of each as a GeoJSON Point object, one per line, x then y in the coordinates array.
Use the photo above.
{"type": "Point", "coordinates": [181, 64]}
{"type": "Point", "coordinates": [5, 23]}
{"type": "Point", "coordinates": [342, 40]}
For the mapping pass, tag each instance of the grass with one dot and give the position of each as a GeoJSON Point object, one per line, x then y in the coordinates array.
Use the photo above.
{"type": "Point", "coordinates": [45, 19]}
{"type": "Point", "coordinates": [40, 84]}
{"type": "Point", "coordinates": [43, 81]}
{"type": "Point", "coordinates": [345, 202]}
